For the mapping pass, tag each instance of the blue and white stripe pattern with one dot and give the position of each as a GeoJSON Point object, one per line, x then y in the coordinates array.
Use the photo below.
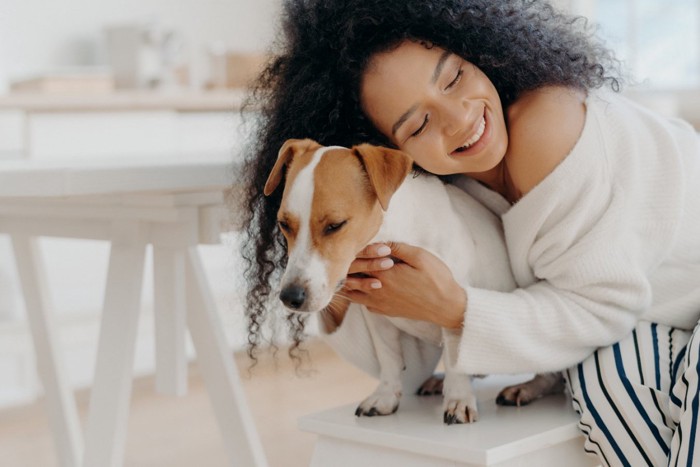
{"type": "Point", "coordinates": [638, 399]}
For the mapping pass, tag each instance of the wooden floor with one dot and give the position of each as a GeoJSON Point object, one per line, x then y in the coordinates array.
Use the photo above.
{"type": "Point", "coordinates": [182, 431]}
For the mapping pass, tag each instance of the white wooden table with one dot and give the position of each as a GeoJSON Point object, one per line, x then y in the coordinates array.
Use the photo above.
{"type": "Point", "coordinates": [172, 203]}
{"type": "Point", "coordinates": [541, 434]}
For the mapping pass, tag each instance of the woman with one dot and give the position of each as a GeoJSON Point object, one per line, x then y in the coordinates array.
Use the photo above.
{"type": "Point", "coordinates": [600, 207]}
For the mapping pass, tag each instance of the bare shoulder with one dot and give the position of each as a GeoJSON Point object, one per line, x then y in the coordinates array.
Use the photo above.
{"type": "Point", "coordinates": [544, 126]}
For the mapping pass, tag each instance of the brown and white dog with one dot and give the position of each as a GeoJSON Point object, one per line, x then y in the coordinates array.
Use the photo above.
{"type": "Point", "coordinates": [336, 201]}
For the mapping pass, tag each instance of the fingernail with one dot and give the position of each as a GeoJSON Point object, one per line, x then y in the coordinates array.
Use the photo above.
{"type": "Point", "coordinates": [376, 285]}
{"type": "Point", "coordinates": [386, 263]}
{"type": "Point", "coordinates": [383, 250]}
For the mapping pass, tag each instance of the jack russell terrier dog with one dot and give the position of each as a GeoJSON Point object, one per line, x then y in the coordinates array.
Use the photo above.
{"type": "Point", "coordinates": [336, 201]}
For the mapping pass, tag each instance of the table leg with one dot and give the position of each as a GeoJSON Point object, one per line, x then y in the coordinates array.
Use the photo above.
{"type": "Point", "coordinates": [219, 371]}
{"type": "Point", "coordinates": [169, 310]}
{"type": "Point", "coordinates": [109, 402]}
{"type": "Point", "coordinates": [63, 416]}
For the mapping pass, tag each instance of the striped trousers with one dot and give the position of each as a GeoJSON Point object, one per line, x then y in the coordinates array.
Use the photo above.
{"type": "Point", "coordinates": [638, 399]}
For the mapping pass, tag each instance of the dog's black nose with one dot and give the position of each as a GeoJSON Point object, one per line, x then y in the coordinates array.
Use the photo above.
{"type": "Point", "coordinates": [293, 296]}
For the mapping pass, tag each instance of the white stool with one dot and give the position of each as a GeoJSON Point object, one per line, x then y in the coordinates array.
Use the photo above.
{"type": "Point", "coordinates": [541, 434]}
{"type": "Point", "coordinates": [172, 205]}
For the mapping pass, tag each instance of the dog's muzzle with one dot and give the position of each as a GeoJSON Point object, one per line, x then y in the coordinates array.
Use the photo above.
{"type": "Point", "coordinates": [293, 296]}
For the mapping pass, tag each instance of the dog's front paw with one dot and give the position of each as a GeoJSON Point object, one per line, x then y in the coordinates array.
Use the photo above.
{"type": "Point", "coordinates": [379, 403]}
{"type": "Point", "coordinates": [458, 411]}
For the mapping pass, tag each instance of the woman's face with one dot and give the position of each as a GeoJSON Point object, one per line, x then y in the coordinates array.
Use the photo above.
{"type": "Point", "coordinates": [437, 107]}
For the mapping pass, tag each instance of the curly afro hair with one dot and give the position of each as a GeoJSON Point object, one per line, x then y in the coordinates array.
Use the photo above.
{"type": "Point", "coordinates": [311, 86]}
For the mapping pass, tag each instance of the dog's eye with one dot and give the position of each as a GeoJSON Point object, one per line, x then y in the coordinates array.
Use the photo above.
{"type": "Point", "coordinates": [330, 228]}
{"type": "Point", "coordinates": [283, 225]}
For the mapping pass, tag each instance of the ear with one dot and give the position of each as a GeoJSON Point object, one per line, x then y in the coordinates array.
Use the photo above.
{"type": "Point", "coordinates": [289, 149]}
{"type": "Point", "coordinates": [386, 168]}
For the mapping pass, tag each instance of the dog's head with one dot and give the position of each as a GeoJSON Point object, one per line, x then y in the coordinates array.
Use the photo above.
{"type": "Point", "coordinates": [332, 206]}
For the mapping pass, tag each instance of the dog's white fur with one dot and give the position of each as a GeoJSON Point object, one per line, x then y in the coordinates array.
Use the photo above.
{"type": "Point", "coordinates": [423, 212]}
{"type": "Point", "coordinates": [468, 238]}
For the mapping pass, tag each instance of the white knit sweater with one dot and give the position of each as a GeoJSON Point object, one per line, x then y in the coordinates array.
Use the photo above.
{"type": "Point", "coordinates": [612, 235]}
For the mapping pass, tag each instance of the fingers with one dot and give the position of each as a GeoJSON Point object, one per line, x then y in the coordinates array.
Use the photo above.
{"type": "Point", "coordinates": [372, 258]}
{"type": "Point", "coordinates": [409, 254]}
{"type": "Point", "coordinates": [361, 284]}
{"type": "Point", "coordinates": [374, 250]}
{"type": "Point", "coordinates": [400, 251]}
{"type": "Point", "coordinates": [370, 265]}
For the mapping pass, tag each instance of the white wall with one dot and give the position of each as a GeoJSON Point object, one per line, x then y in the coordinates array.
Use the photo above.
{"type": "Point", "coordinates": [41, 35]}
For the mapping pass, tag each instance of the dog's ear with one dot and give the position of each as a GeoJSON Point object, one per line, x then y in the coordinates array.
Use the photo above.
{"type": "Point", "coordinates": [289, 149]}
{"type": "Point", "coordinates": [386, 168]}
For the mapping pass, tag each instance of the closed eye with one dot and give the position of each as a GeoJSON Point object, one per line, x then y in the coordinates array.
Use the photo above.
{"type": "Point", "coordinates": [456, 80]}
{"type": "Point", "coordinates": [334, 227]}
{"type": "Point", "coordinates": [283, 226]}
{"type": "Point", "coordinates": [422, 127]}
{"type": "Point", "coordinates": [453, 83]}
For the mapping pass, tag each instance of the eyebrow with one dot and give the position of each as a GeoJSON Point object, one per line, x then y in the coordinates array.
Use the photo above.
{"type": "Point", "coordinates": [436, 74]}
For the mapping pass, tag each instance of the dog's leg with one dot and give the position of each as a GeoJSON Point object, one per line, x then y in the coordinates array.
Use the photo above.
{"type": "Point", "coordinates": [524, 393]}
{"type": "Point", "coordinates": [459, 403]}
{"type": "Point", "coordinates": [385, 337]}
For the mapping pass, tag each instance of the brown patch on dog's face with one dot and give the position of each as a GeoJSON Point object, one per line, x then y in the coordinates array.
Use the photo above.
{"type": "Point", "coordinates": [332, 206]}
{"type": "Point", "coordinates": [326, 217]}
{"type": "Point", "coordinates": [345, 211]}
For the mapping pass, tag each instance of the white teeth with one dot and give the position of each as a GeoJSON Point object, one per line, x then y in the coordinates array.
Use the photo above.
{"type": "Point", "coordinates": [476, 136]}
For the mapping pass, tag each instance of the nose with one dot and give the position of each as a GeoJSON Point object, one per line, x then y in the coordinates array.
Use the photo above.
{"type": "Point", "coordinates": [456, 116]}
{"type": "Point", "coordinates": [293, 296]}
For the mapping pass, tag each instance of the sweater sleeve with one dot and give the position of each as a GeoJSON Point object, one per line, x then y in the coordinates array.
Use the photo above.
{"type": "Point", "coordinates": [588, 288]}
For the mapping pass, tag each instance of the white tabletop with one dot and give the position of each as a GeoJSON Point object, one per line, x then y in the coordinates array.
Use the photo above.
{"type": "Point", "coordinates": [80, 177]}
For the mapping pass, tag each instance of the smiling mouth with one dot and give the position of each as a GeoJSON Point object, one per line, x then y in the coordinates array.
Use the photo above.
{"type": "Point", "coordinates": [475, 138]}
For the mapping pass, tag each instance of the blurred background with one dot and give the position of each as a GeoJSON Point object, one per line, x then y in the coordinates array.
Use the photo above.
{"type": "Point", "coordinates": [107, 78]}
{"type": "Point", "coordinates": [87, 79]}
{"type": "Point", "coordinates": [659, 45]}
{"type": "Point", "coordinates": [149, 43]}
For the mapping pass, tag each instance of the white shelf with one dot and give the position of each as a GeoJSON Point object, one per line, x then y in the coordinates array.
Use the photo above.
{"type": "Point", "coordinates": [502, 434]}
{"type": "Point", "coordinates": [185, 100]}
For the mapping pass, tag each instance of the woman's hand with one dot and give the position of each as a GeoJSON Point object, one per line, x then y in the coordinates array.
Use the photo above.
{"type": "Point", "coordinates": [408, 282]}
